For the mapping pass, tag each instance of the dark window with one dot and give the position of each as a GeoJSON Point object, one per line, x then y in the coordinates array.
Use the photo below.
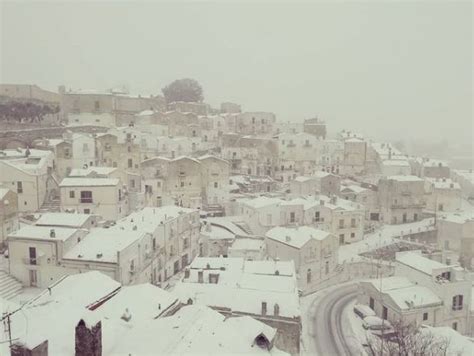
{"type": "Point", "coordinates": [308, 275]}
{"type": "Point", "coordinates": [341, 239]}
{"type": "Point", "coordinates": [86, 196]}
{"type": "Point", "coordinates": [292, 217]}
{"type": "Point", "coordinates": [130, 163]}
{"type": "Point", "coordinates": [32, 253]}
{"type": "Point", "coordinates": [384, 313]}
{"type": "Point", "coordinates": [455, 325]}
{"type": "Point", "coordinates": [425, 316]}
{"type": "Point", "coordinates": [371, 303]}
{"type": "Point", "coordinates": [458, 302]}
{"type": "Point", "coordinates": [72, 194]}
{"type": "Point", "coordinates": [19, 187]}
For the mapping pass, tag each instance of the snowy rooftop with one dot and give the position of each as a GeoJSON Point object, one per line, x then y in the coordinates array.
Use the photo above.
{"type": "Point", "coordinates": [445, 183]}
{"type": "Point", "coordinates": [296, 237]}
{"type": "Point", "coordinates": [353, 188]}
{"type": "Point", "coordinates": [43, 233]}
{"type": "Point", "coordinates": [3, 192]}
{"type": "Point", "coordinates": [417, 261]}
{"type": "Point", "coordinates": [214, 232]}
{"type": "Point", "coordinates": [89, 182]}
{"type": "Point", "coordinates": [406, 294]}
{"type": "Point", "coordinates": [396, 163]}
{"type": "Point", "coordinates": [144, 301]}
{"type": "Point", "coordinates": [148, 219]}
{"type": "Point", "coordinates": [63, 219]}
{"type": "Point", "coordinates": [248, 244]}
{"type": "Point", "coordinates": [84, 172]}
{"type": "Point", "coordinates": [405, 178]}
{"type": "Point", "coordinates": [261, 202]}
{"type": "Point", "coordinates": [459, 218]}
{"type": "Point", "coordinates": [102, 245]}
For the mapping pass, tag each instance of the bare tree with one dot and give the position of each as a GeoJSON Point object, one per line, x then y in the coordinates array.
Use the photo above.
{"type": "Point", "coordinates": [407, 340]}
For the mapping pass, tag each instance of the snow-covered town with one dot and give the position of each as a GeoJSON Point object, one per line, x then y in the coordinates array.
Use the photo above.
{"type": "Point", "coordinates": [169, 224]}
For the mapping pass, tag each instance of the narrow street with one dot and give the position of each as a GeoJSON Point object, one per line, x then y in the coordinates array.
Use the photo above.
{"type": "Point", "coordinates": [324, 332]}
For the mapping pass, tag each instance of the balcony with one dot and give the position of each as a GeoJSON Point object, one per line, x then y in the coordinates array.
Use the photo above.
{"type": "Point", "coordinates": [458, 307]}
{"type": "Point", "coordinates": [31, 261]}
{"type": "Point", "coordinates": [86, 200]}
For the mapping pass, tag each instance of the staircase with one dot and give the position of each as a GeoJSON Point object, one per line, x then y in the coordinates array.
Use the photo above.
{"type": "Point", "coordinates": [9, 286]}
{"type": "Point", "coordinates": [50, 206]}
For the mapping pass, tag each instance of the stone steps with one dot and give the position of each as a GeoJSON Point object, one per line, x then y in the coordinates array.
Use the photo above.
{"type": "Point", "coordinates": [9, 286]}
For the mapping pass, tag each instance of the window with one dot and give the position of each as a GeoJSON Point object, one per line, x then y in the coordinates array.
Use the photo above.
{"type": "Point", "coordinates": [67, 153]}
{"type": "Point", "coordinates": [353, 222]}
{"type": "Point", "coordinates": [404, 217]}
{"type": "Point", "coordinates": [19, 187]}
{"type": "Point", "coordinates": [216, 184]}
{"type": "Point", "coordinates": [455, 326]}
{"type": "Point", "coordinates": [292, 217]}
{"type": "Point", "coordinates": [440, 207]}
{"type": "Point", "coordinates": [341, 239]}
{"type": "Point", "coordinates": [32, 254]}
{"type": "Point", "coordinates": [425, 316]}
{"type": "Point", "coordinates": [276, 310]}
{"type": "Point", "coordinates": [72, 194]}
{"type": "Point", "coordinates": [182, 184]}
{"type": "Point", "coordinates": [371, 303]}
{"type": "Point", "coordinates": [132, 183]}
{"type": "Point", "coordinates": [158, 184]}
{"type": "Point", "coordinates": [457, 302]}
{"type": "Point", "coordinates": [86, 196]}
{"type": "Point", "coordinates": [87, 211]}
{"type": "Point", "coordinates": [317, 216]}
{"type": "Point", "coordinates": [341, 224]}
{"type": "Point", "coordinates": [384, 313]}
{"type": "Point", "coordinates": [130, 163]}
{"type": "Point", "coordinates": [415, 217]}
{"type": "Point", "coordinates": [327, 267]}
{"type": "Point", "coordinates": [352, 235]}
{"type": "Point", "coordinates": [129, 148]}
{"type": "Point", "coordinates": [308, 275]}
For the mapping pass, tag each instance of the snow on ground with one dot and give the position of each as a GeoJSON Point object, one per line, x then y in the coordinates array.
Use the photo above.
{"type": "Point", "coordinates": [383, 237]}
{"type": "Point", "coordinates": [354, 328]}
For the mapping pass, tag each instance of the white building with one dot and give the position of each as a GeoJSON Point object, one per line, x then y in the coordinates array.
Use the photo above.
{"type": "Point", "coordinates": [27, 172]}
{"type": "Point", "coordinates": [456, 238]}
{"type": "Point", "coordinates": [264, 290]}
{"type": "Point", "coordinates": [314, 252]}
{"type": "Point", "coordinates": [401, 198]}
{"type": "Point", "coordinates": [100, 196]}
{"type": "Point", "coordinates": [442, 194]}
{"type": "Point", "coordinates": [343, 218]}
{"type": "Point", "coordinates": [450, 283]}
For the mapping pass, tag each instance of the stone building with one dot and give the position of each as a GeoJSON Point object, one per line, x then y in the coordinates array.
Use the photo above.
{"type": "Point", "coordinates": [401, 198]}
{"type": "Point", "coordinates": [314, 252]}
{"type": "Point", "coordinates": [8, 214]}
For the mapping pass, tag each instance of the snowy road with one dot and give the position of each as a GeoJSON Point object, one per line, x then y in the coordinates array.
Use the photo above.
{"type": "Point", "coordinates": [326, 332]}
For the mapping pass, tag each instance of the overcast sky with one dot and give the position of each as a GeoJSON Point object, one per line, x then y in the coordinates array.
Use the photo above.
{"type": "Point", "coordinates": [387, 69]}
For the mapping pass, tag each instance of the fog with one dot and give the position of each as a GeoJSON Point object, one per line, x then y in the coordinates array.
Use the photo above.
{"type": "Point", "coordinates": [389, 70]}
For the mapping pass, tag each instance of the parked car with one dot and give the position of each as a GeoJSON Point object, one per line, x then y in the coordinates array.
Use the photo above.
{"type": "Point", "coordinates": [376, 323]}
{"type": "Point", "coordinates": [363, 310]}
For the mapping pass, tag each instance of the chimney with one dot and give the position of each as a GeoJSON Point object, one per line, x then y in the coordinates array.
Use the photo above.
{"type": "Point", "coordinates": [52, 233]}
{"type": "Point", "coordinates": [200, 277]}
{"type": "Point", "coordinates": [264, 308]}
{"type": "Point", "coordinates": [88, 339]}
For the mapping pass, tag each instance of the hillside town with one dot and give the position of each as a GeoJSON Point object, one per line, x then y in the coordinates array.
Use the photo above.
{"type": "Point", "coordinates": [134, 224]}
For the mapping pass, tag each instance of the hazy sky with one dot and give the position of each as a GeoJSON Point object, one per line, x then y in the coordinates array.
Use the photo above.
{"type": "Point", "coordinates": [389, 69]}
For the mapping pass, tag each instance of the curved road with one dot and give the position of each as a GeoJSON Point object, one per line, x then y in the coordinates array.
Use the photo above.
{"type": "Point", "coordinates": [329, 335]}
